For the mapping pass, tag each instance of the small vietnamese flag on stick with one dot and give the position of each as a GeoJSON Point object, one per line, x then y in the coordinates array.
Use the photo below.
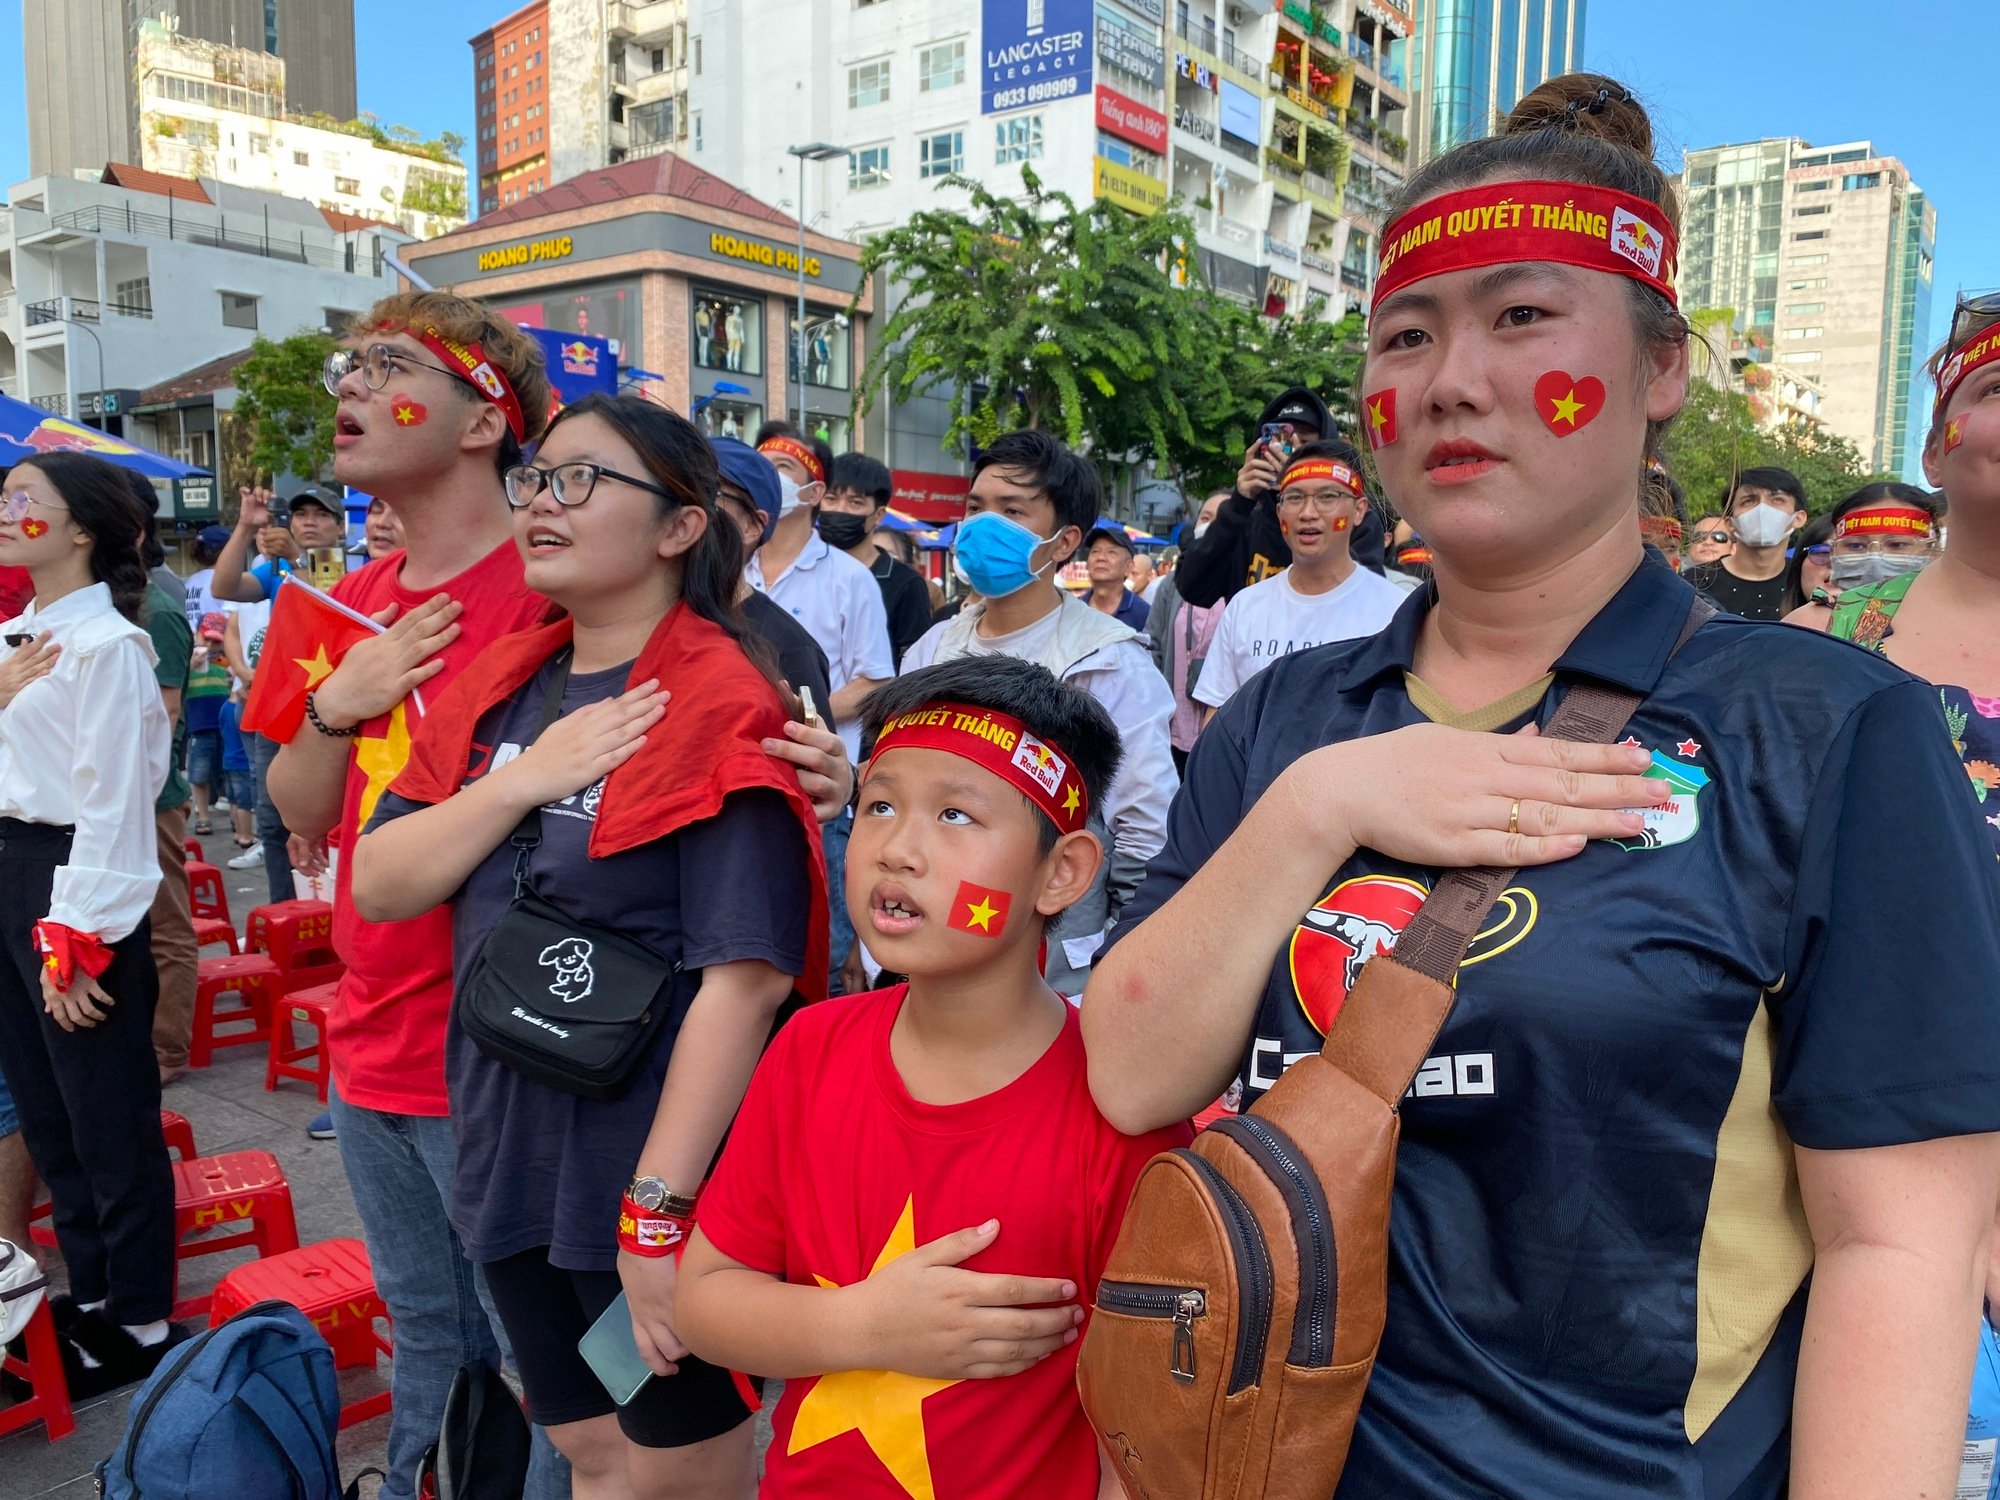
{"type": "Point", "coordinates": [978, 909]}
{"type": "Point", "coordinates": [309, 633]}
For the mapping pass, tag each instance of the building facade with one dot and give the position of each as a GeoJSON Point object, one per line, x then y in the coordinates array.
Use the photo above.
{"type": "Point", "coordinates": [208, 110]}
{"type": "Point", "coordinates": [83, 108]}
{"type": "Point", "coordinates": [1822, 260]}
{"type": "Point", "coordinates": [111, 289]}
{"type": "Point", "coordinates": [693, 281]}
{"type": "Point", "coordinates": [1475, 59]}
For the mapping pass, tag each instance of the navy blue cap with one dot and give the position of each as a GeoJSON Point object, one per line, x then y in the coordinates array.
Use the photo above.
{"type": "Point", "coordinates": [752, 473]}
{"type": "Point", "coordinates": [213, 536]}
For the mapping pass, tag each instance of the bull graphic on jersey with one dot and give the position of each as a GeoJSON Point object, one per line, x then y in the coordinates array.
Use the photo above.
{"type": "Point", "coordinates": [1362, 918]}
{"type": "Point", "coordinates": [574, 977]}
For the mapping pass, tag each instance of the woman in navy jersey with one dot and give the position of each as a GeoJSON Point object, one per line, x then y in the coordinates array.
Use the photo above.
{"type": "Point", "coordinates": [1693, 1196]}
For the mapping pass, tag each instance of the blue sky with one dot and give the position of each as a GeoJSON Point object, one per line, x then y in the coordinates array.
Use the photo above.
{"type": "Point", "coordinates": [1712, 71]}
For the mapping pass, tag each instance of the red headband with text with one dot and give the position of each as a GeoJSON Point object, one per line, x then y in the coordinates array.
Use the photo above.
{"type": "Point", "coordinates": [1498, 223]}
{"type": "Point", "coordinates": [1979, 350]}
{"type": "Point", "coordinates": [485, 376]}
{"type": "Point", "coordinates": [1003, 746]}
{"type": "Point", "coordinates": [1884, 520]}
{"type": "Point", "coordinates": [792, 448]}
{"type": "Point", "coordinates": [1307, 470]}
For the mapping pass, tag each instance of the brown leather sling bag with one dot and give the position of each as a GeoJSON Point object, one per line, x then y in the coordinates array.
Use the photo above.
{"type": "Point", "coordinates": [1239, 1314]}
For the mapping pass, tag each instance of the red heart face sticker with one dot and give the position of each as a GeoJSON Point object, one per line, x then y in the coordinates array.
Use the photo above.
{"type": "Point", "coordinates": [31, 528]}
{"type": "Point", "coordinates": [1565, 403]}
{"type": "Point", "coordinates": [408, 413]}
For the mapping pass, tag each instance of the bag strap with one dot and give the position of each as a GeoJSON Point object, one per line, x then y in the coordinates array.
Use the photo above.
{"type": "Point", "coordinates": [1386, 1025]}
{"type": "Point", "coordinates": [275, 1412]}
{"type": "Point", "coordinates": [527, 834]}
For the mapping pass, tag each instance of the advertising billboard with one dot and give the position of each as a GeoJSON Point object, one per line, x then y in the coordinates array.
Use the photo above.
{"type": "Point", "coordinates": [1033, 52]}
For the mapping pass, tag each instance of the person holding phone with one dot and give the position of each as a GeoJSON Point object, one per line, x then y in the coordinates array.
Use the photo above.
{"type": "Point", "coordinates": [633, 728]}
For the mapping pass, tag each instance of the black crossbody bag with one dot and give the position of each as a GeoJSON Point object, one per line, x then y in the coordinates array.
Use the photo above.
{"type": "Point", "coordinates": [568, 1003]}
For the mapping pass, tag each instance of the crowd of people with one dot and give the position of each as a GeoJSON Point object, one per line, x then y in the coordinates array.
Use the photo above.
{"type": "Point", "coordinates": [657, 743]}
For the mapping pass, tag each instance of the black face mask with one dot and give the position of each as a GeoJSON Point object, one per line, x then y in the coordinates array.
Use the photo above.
{"type": "Point", "coordinates": [841, 529]}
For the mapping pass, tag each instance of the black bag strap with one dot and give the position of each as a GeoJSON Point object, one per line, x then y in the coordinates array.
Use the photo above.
{"type": "Point", "coordinates": [527, 835]}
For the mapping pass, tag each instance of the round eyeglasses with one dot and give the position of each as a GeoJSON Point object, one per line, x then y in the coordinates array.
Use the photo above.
{"type": "Point", "coordinates": [377, 363]}
{"type": "Point", "coordinates": [571, 484]}
{"type": "Point", "coordinates": [14, 507]}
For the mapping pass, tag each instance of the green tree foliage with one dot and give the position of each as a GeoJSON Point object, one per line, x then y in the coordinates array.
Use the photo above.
{"type": "Point", "coordinates": [283, 406]}
{"type": "Point", "coordinates": [1091, 323]}
{"type": "Point", "coordinates": [1717, 436]}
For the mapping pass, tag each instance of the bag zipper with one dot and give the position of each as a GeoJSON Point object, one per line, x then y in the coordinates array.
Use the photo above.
{"type": "Point", "coordinates": [1253, 1271]}
{"type": "Point", "coordinates": [1181, 1303]}
{"type": "Point", "coordinates": [1312, 1226]}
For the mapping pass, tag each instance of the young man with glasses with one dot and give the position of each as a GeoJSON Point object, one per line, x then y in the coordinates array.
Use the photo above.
{"type": "Point", "coordinates": [436, 397]}
{"type": "Point", "coordinates": [1321, 596]}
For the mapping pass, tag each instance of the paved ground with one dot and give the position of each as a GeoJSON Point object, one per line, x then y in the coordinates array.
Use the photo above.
{"type": "Point", "coordinates": [230, 1111]}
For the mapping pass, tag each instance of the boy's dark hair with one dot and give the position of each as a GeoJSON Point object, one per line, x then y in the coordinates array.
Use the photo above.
{"type": "Point", "coordinates": [1066, 718]}
{"type": "Point", "coordinates": [1772, 478]}
{"type": "Point", "coordinates": [1890, 492]}
{"type": "Point", "coordinates": [1338, 449]}
{"type": "Point", "coordinates": [778, 427]}
{"type": "Point", "coordinates": [1070, 483]}
{"type": "Point", "coordinates": [863, 475]}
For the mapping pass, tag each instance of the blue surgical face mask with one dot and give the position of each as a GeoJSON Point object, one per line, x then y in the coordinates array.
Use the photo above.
{"type": "Point", "coordinates": [994, 552]}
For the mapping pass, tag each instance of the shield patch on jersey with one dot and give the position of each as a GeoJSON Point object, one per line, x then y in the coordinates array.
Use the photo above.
{"type": "Point", "coordinates": [1675, 820]}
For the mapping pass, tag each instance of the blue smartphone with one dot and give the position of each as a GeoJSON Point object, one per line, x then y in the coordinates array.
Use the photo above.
{"type": "Point", "coordinates": [608, 1348]}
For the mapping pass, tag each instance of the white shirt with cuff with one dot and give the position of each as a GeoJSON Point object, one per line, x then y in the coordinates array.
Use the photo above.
{"type": "Point", "coordinates": [87, 747]}
{"type": "Point", "coordinates": [838, 602]}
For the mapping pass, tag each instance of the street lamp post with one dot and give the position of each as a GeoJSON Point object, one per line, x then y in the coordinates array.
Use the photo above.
{"type": "Point", "coordinates": [71, 320]}
{"type": "Point", "coordinates": [812, 151]}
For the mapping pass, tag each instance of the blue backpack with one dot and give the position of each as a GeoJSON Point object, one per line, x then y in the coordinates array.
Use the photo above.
{"type": "Point", "coordinates": [249, 1408]}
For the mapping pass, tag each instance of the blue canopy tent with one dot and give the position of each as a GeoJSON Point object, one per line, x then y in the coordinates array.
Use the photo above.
{"type": "Point", "coordinates": [28, 432]}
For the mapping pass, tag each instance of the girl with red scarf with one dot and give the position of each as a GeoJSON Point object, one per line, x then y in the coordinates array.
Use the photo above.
{"type": "Point", "coordinates": [662, 818]}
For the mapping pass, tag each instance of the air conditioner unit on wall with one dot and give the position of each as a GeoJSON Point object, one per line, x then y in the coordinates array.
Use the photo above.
{"type": "Point", "coordinates": [1236, 16]}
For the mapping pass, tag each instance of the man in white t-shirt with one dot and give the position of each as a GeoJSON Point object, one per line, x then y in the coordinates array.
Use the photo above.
{"type": "Point", "coordinates": [1322, 596]}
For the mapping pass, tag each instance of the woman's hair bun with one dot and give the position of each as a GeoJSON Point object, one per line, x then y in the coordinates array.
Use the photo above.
{"type": "Point", "coordinates": [1589, 104]}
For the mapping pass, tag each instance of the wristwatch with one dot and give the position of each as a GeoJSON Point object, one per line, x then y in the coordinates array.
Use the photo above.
{"type": "Point", "coordinates": [655, 1196]}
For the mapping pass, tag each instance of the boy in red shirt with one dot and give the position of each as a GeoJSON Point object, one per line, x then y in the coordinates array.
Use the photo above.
{"type": "Point", "coordinates": [918, 1194]}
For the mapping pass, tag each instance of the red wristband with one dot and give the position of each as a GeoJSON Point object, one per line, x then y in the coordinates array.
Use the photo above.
{"type": "Point", "coordinates": [648, 1232]}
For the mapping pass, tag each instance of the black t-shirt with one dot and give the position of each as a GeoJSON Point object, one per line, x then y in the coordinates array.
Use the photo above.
{"type": "Point", "coordinates": [907, 600]}
{"type": "Point", "coordinates": [1597, 1260]}
{"type": "Point", "coordinates": [799, 656]}
{"type": "Point", "coordinates": [537, 1166]}
{"type": "Point", "coordinates": [1760, 599]}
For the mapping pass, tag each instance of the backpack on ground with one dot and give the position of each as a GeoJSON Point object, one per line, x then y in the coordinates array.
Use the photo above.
{"type": "Point", "coordinates": [482, 1447]}
{"type": "Point", "coordinates": [22, 1287]}
{"type": "Point", "coordinates": [249, 1408]}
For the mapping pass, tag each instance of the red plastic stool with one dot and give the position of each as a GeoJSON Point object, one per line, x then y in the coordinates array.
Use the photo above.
{"type": "Point", "coordinates": [43, 1370]}
{"type": "Point", "coordinates": [332, 1283]}
{"type": "Point", "coordinates": [194, 852]}
{"type": "Point", "coordinates": [251, 975]}
{"type": "Point", "coordinates": [211, 930]}
{"type": "Point", "coordinates": [230, 1189]}
{"type": "Point", "coordinates": [206, 892]}
{"type": "Point", "coordinates": [308, 1063]}
{"type": "Point", "coordinates": [299, 937]}
{"type": "Point", "coordinates": [180, 1141]}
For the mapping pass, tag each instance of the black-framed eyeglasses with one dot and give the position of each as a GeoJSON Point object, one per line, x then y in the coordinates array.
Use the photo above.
{"type": "Point", "coordinates": [377, 363]}
{"type": "Point", "coordinates": [1978, 305]}
{"type": "Point", "coordinates": [571, 484]}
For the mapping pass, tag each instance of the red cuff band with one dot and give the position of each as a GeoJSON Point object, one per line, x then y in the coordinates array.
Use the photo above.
{"type": "Point", "coordinates": [64, 950]}
{"type": "Point", "coordinates": [1003, 746]}
{"type": "Point", "coordinates": [648, 1232]}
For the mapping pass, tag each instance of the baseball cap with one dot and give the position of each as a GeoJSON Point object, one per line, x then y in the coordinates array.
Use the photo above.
{"type": "Point", "coordinates": [312, 495]}
{"type": "Point", "coordinates": [752, 473]}
{"type": "Point", "coordinates": [1113, 532]}
{"type": "Point", "coordinates": [216, 537]}
{"type": "Point", "coordinates": [213, 625]}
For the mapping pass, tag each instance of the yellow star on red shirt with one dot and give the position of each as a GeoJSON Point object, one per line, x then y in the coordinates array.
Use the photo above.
{"type": "Point", "coordinates": [885, 1408]}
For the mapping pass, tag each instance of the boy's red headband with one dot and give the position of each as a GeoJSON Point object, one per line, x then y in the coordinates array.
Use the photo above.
{"type": "Point", "coordinates": [1308, 469]}
{"type": "Point", "coordinates": [1498, 223]}
{"type": "Point", "coordinates": [486, 377]}
{"type": "Point", "coordinates": [1003, 746]}
{"type": "Point", "coordinates": [791, 447]}
{"type": "Point", "coordinates": [1981, 349]}
{"type": "Point", "coordinates": [1885, 520]}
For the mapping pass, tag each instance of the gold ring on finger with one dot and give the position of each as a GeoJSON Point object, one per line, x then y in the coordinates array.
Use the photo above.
{"type": "Point", "coordinates": [1514, 817]}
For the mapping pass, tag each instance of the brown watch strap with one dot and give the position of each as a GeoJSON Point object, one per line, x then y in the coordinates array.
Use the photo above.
{"type": "Point", "coordinates": [1399, 1004]}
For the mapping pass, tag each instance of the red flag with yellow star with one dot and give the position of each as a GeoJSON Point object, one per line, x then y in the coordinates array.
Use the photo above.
{"type": "Point", "coordinates": [978, 909]}
{"type": "Point", "coordinates": [308, 635]}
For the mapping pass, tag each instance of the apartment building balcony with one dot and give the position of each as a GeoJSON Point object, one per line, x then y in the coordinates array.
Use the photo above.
{"type": "Point", "coordinates": [641, 20]}
{"type": "Point", "coordinates": [1379, 140]}
{"type": "Point", "coordinates": [1224, 230]}
{"type": "Point", "coordinates": [77, 224]}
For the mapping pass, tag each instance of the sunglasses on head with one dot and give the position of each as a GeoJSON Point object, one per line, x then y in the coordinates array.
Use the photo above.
{"type": "Point", "coordinates": [1970, 310]}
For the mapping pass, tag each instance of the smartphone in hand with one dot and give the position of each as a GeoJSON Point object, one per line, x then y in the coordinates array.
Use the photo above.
{"type": "Point", "coordinates": [612, 1353]}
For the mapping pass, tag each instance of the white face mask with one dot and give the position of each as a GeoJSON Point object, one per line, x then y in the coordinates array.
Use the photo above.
{"type": "Point", "coordinates": [1763, 525]}
{"type": "Point", "coordinates": [1200, 530]}
{"type": "Point", "coordinates": [788, 494]}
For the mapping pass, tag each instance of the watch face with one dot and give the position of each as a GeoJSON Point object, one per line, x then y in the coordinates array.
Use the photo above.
{"type": "Point", "coordinates": [648, 1192]}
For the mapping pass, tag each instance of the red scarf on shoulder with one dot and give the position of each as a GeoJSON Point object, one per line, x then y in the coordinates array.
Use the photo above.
{"type": "Point", "coordinates": [708, 745]}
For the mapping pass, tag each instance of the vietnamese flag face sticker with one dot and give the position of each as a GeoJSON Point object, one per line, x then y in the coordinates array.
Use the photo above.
{"type": "Point", "coordinates": [1565, 403]}
{"type": "Point", "coordinates": [1954, 434]}
{"type": "Point", "coordinates": [1381, 414]}
{"type": "Point", "coordinates": [979, 909]}
{"type": "Point", "coordinates": [408, 413]}
{"type": "Point", "coordinates": [31, 528]}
